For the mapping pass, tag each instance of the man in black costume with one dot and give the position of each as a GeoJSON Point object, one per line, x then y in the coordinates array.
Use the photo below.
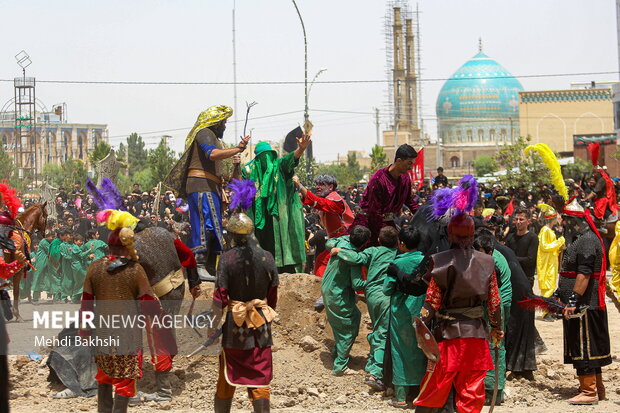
{"type": "Point", "coordinates": [581, 287]}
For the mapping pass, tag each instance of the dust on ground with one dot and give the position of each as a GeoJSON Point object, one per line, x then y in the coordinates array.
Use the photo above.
{"type": "Point", "coordinates": [302, 371]}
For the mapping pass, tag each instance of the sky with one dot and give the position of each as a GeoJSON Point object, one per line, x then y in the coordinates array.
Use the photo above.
{"type": "Point", "coordinates": [191, 41]}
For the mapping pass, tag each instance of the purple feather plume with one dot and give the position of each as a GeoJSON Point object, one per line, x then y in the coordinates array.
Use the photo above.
{"type": "Point", "coordinates": [243, 193]}
{"type": "Point", "coordinates": [106, 197]}
{"type": "Point", "coordinates": [95, 194]}
{"type": "Point", "coordinates": [467, 194]}
{"type": "Point", "coordinates": [442, 200]}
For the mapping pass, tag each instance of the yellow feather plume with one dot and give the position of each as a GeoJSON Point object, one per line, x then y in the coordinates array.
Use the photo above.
{"type": "Point", "coordinates": [548, 157]}
{"type": "Point", "coordinates": [121, 219]}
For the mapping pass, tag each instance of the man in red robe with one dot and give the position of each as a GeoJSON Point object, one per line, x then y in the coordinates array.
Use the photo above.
{"type": "Point", "coordinates": [462, 283]}
{"type": "Point", "coordinates": [334, 212]}
{"type": "Point", "coordinates": [387, 191]}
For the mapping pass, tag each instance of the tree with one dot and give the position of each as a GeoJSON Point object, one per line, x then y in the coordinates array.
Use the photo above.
{"type": "Point", "coordinates": [577, 169]}
{"type": "Point", "coordinates": [102, 149]}
{"type": "Point", "coordinates": [160, 160]}
{"type": "Point", "coordinates": [137, 155]}
{"type": "Point", "coordinates": [6, 164]}
{"type": "Point", "coordinates": [65, 175]}
{"type": "Point", "coordinates": [378, 159]}
{"type": "Point", "coordinates": [484, 164]}
{"type": "Point", "coordinates": [306, 178]}
{"type": "Point", "coordinates": [121, 156]}
{"type": "Point", "coordinates": [354, 166]}
{"type": "Point", "coordinates": [522, 171]}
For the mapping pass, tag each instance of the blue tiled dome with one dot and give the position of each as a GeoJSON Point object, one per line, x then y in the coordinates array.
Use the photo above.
{"type": "Point", "coordinates": [480, 88]}
{"type": "Point", "coordinates": [478, 100]}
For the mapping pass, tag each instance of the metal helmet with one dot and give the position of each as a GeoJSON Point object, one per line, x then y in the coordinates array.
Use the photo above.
{"type": "Point", "coordinates": [241, 224]}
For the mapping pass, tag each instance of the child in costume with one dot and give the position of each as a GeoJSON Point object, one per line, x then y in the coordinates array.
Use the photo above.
{"type": "Point", "coordinates": [377, 260]}
{"type": "Point", "coordinates": [340, 281]}
{"type": "Point", "coordinates": [408, 360]}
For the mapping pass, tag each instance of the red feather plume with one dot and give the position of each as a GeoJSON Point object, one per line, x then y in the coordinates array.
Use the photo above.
{"type": "Point", "coordinates": [10, 199]}
{"type": "Point", "coordinates": [594, 149]}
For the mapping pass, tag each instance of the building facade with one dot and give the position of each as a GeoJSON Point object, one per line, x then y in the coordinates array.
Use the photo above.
{"type": "Point", "coordinates": [53, 141]}
{"type": "Point", "coordinates": [554, 117]}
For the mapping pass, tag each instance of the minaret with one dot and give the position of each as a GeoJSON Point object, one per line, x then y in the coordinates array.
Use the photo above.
{"type": "Point", "coordinates": [411, 91]}
{"type": "Point", "coordinates": [399, 69]}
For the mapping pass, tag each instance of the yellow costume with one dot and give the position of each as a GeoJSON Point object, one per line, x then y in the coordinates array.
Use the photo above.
{"type": "Point", "coordinates": [614, 260]}
{"type": "Point", "coordinates": [549, 247]}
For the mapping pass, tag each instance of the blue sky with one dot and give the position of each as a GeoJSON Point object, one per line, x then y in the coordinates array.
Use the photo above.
{"type": "Point", "coordinates": [191, 40]}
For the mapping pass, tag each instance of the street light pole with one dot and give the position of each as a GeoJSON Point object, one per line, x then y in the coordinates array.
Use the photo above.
{"type": "Point", "coordinates": [306, 115]}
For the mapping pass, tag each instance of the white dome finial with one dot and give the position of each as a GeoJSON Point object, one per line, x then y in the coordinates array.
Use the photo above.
{"type": "Point", "coordinates": [479, 44]}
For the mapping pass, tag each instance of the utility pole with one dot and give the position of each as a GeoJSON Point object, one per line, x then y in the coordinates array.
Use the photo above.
{"type": "Point", "coordinates": [377, 126]}
{"type": "Point", "coordinates": [309, 151]}
{"type": "Point", "coordinates": [234, 47]}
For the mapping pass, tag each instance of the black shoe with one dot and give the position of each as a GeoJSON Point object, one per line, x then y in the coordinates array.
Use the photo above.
{"type": "Point", "coordinates": [375, 383]}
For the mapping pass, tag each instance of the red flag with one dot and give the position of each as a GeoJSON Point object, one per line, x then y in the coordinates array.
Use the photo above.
{"type": "Point", "coordinates": [417, 173]}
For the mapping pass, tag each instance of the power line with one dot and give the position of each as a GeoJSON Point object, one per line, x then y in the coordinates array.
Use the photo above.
{"type": "Point", "coordinates": [186, 128]}
{"type": "Point", "coordinates": [299, 82]}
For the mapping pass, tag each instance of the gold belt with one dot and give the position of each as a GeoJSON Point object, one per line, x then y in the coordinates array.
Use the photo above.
{"type": "Point", "coordinates": [198, 173]}
{"type": "Point", "coordinates": [169, 283]}
{"type": "Point", "coordinates": [247, 313]}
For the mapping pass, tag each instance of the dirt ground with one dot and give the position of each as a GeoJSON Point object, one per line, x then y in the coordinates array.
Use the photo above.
{"type": "Point", "coordinates": [302, 376]}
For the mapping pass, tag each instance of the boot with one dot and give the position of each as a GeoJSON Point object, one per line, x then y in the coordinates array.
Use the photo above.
{"type": "Point", "coordinates": [104, 398]}
{"type": "Point", "coordinates": [120, 404]}
{"type": "Point", "coordinates": [164, 388]}
{"type": "Point", "coordinates": [600, 387]}
{"type": "Point", "coordinates": [587, 395]}
{"type": "Point", "coordinates": [222, 405]}
{"type": "Point", "coordinates": [261, 405]}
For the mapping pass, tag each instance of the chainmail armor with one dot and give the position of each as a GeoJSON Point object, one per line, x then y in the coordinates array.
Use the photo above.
{"type": "Point", "coordinates": [585, 246]}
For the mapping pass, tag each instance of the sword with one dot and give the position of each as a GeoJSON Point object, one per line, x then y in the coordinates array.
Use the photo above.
{"type": "Point", "coordinates": [496, 385]}
{"type": "Point", "coordinates": [210, 341]}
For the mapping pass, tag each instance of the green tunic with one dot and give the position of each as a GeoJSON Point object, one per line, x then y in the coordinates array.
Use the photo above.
{"type": "Point", "coordinates": [66, 269]}
{"type": "Point", "coordinates": [79, 271]}
{"type": "Point", "coordinates": [377, 260]}
{"type": "Point", "coordinates": [505, 293]}
{"type": "Point", "coordinates": [340, 281]}
{"type": "Point", "coordinates": [277, 211]}
{"type": "Point", "coordinates": [56, 269]}
{"type": "Point", "coordinates": [96, 247]}
{"type": "Point", "coordinates": [408, 361]}
{"type": "Point", "coordinates": [41, 280]}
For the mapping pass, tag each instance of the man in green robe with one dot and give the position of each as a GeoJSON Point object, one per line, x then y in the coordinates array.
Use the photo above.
{"type": "Point", "coordinates": [277, 211]}
{"type": "Point", "coordinates": [93, 249]}
{"type": "Point", "coordinates": [408, 360]}
{"type": "Point", "coordinates": [377, 260]}
{"type": "Point", "coordinates": [78, 266]}
{"type": "Point", "coordinates": [42, 277]}
{"type": "Point", "coordinates": [66, 268]}
{"type": "Point", "coordinates": [484, 243]}
{"type": "Point", "coordinates": [340, 282]}
{"type": "Point", "coordinates": [56, 266]}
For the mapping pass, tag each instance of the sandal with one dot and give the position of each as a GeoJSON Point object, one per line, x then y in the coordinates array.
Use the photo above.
{"type": "Point", "coordinates": [398, 405]}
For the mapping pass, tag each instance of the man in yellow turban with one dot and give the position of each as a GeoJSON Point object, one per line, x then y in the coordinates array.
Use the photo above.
{"type": "Point", "coordinates": [549, 247]}
{"type": "Point", "coordinates": [197, 177]}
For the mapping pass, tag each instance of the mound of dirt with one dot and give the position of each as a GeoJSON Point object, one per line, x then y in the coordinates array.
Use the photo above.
{"type": "Point", "coordinates": [302, 370]}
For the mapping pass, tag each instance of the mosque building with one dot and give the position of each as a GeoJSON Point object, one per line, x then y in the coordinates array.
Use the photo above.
{"type": "Point", "coordinates": [477, 112]}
